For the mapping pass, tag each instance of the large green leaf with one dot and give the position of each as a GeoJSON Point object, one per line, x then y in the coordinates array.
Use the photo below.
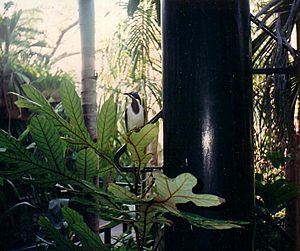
{"type": "Point", "coordinates": [170, 192]}
{"type": "Point", "coordinates": [105, 168]}
{"type": "Point", "coordinates": [138, 141]}
{"type": "Point", "coordinates": [199, 221]}
{"type": "Point", "coordinates": [15, 153]}
{"type": "Point", "coordinates": [122, 193]}
{"type": "Point", "coordinates": [126, 196]}
{"type": "Point", "coordinates": [61, 242]}
{"type": "Point", "coordinates": [106, 124]}
{"type": "Point", "coordinates": [86, 164]}
{"type": "Point", "coordinates": [36, 97]}
{"type": "Point", "coordinates": [35, 101]}
{"type": "Point", "coordinates": [88, 239]}
{"type": "Point", "coordinates": [48, 141]}
{"type": "Point", "coordinates": [72, 105]}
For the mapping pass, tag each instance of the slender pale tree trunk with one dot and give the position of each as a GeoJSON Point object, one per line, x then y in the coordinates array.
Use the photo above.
{"type": "Point", "coordinates": [88, 82]}
{"type": "Point", "coordinates": [88, 79]}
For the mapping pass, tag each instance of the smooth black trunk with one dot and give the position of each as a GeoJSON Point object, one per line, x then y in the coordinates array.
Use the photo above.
{"type": "Point", "coordinates": [208, 115]}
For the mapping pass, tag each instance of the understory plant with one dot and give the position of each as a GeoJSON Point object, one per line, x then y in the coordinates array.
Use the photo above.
{"type": "Point", "coordinates": [64, 155]}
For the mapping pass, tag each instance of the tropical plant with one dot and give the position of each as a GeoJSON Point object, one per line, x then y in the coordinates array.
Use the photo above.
{"type": "Point", "coordinates": [57, 137]}
{"type": "Point", "coordinates": [17, 41]}
{"type": "Point", "coordinates": [276, 93]}
{"type": "Point", "coordinates": [24, 59]}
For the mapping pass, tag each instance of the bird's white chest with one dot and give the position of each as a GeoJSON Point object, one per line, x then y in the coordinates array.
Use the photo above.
{"type": "Point", "coordinates": [135, 120]}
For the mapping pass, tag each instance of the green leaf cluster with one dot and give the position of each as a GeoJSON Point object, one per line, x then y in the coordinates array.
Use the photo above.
{"type": "Point", "coordinates": [274, 195]}
{"type": "Point", "coordinates": [54, 136]}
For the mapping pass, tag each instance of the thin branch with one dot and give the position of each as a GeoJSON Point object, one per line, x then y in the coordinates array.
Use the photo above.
{"type": "Point", "coordinates": [62, 34]}
{"type": "Point", "coordinates": [65, 55]}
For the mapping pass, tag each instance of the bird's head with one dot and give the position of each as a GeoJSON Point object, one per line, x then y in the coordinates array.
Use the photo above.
{"type": "Point", "coordinates": [134, 95]}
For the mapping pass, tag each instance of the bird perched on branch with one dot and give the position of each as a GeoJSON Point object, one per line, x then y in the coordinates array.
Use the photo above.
{"type": "Point", "coordinates": [135, 112]}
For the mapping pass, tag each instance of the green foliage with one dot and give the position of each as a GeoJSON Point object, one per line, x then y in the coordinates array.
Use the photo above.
{"type": "Point", "coordinates": [55, 137]}
{"type": "Point", "coordinates": [51, 132]}
{"type": "Point", "coordinates": [21, 54]}
{"type": "Point", "coordinates": [86, 164]}
{"type": "Point", "coordinates": [203, 222]}
{"type": "Point", "coordinates": [276, 158]}
{"type": "Point", "coordinates": [274, 195]}
{"type": "Point", "coordinates": [132, 7]}
{"type": "Point", "coordinates": [88, 239]}
{"type": "Point", "coordinates": [167, 193]}
{"type": "Point", "coordinates": [16, 153]}
{"type": "Point", "coordinates": [72, 105]}
{"type": "Point", "coordinates": [106, 124]}
{"type": "Point", "coordinates": [106, 133]}
{"type": "Point", "coordinates": [61, 242]}
{"type": "Point", "coordinates": [137, 143]}
{"type": "Point", "coordinates": [48, 141]}
{"type": "Point", "coordinates": [74, 132]}
{"type": "Point", "coordinates": [16, 217]}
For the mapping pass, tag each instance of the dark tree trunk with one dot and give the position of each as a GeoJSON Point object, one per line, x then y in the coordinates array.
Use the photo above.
{"type": "Point", "coordinates": [208, 115]}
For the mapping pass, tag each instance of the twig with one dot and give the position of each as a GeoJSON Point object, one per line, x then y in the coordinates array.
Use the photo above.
{"type": "Point", "coordinates": [62, 34]}
{"type": "Point", "coordinates": [65, 55]}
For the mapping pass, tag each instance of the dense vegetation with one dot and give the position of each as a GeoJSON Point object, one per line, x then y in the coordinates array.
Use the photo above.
{"type": "Point", "coordinates": [48, 155]}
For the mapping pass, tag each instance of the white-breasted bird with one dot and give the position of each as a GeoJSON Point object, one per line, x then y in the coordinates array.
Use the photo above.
{"type": "Point", "coordinates": [135, 112]}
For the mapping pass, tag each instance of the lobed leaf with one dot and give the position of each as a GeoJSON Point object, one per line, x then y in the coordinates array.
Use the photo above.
{"type": "Point", "coordinates": [170, 192]}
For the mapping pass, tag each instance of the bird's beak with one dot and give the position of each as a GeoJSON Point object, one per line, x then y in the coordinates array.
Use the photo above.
{"type": "Point", "coordinates": [127, 94]}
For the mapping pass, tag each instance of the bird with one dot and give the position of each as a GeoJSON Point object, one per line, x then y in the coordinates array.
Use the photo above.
{"type": "Point", "coordinates": [135, 113]}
